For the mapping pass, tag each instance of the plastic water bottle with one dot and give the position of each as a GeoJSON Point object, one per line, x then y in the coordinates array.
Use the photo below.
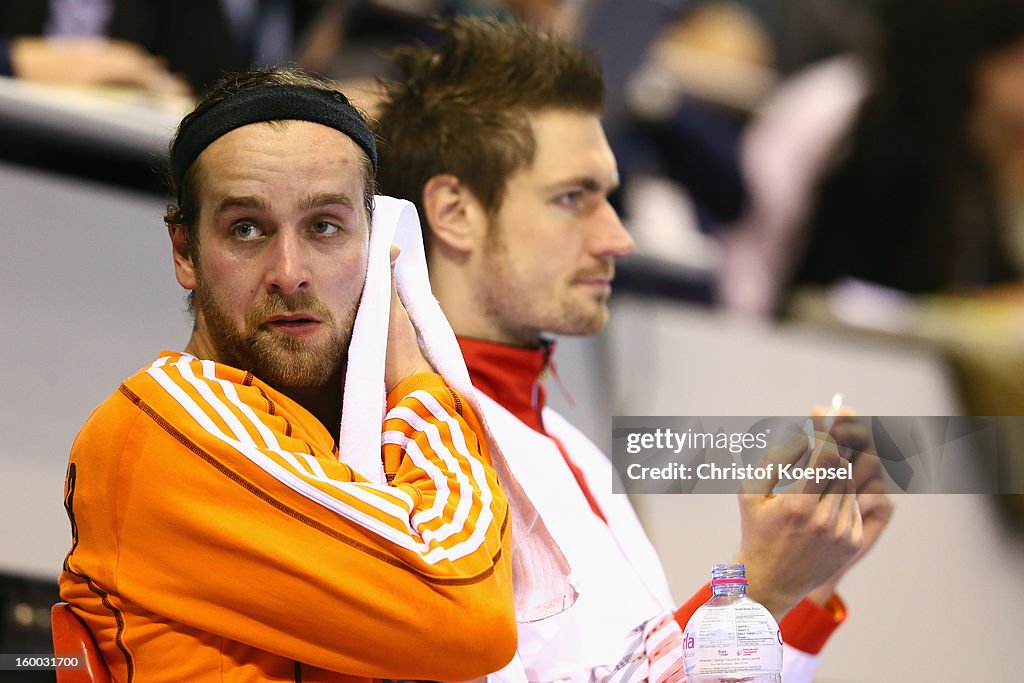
{"type": "Point", "coordinates": [731, 638]}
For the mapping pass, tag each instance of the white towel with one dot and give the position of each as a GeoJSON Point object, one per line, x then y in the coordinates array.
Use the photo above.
{"type": "Point", "coordinates": [540, 572]}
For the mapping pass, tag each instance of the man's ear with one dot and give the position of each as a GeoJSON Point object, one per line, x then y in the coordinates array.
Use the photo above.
{"type": "Point", "coordinates": [454, 215]}
{"type": "Point", "coordinates": [184, 268]}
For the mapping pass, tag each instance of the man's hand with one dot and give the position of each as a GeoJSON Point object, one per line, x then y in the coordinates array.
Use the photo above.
{"type": "Point", "coordinates": [794, 542]}
{"type": "Point", "coordinates": [92, 60]}
{"type": "Point", "coordinates": [404, 357]}
{"type": "Point", "coordinates": [876, 504]}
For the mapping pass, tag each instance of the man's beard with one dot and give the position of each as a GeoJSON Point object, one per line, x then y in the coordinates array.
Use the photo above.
{"type": "Point", "coordinates": [279, 359]}
{"type": "Point", "coordinates": [516, 307]}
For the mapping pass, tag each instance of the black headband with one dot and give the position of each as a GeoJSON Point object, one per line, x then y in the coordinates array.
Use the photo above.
{"type": "Point", "coordinates": [267, 103]}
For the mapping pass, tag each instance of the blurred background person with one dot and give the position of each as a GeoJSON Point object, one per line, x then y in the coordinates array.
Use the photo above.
{"type": "Point", "coordinates": [900, 168]}
{"type": "Point", "coordinates": [679, 140]}
{"type": "Point", "coordinates": [161, 47]}
{"type": "Point", "coordinates": [348, 40]}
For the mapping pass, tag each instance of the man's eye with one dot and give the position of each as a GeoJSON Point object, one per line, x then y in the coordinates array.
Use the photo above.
{"type": "Point", "coordinates": [570, 199]}
{"type": "Point", "coordinates": [246, 231]}
{"type": "Point", "coordinates": [325, 228]}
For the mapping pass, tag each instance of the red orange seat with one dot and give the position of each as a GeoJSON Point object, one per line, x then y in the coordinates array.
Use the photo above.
{"type": "Point", "coordinates": [72, 637]}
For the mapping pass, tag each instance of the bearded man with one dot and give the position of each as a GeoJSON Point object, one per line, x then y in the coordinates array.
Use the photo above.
{"type": "Point", "coordinates": [496, 136]}
{"type": "Point", "coordinates": [217, 532]}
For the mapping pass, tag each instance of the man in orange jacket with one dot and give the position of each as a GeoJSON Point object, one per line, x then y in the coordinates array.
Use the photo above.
{"type": "Point", "coordinates": [217, 532]}
{"type": "Point", "coordinates": [496, 136]}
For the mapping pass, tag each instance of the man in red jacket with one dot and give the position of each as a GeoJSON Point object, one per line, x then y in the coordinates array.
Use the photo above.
{"type": "Point", "coordinates": [496, 137]}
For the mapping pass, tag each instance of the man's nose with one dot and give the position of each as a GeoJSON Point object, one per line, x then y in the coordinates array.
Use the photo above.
{"type": "Point", "coordinates": [288, 269]}
{"type": "Point", "coordinates": [611, 239]}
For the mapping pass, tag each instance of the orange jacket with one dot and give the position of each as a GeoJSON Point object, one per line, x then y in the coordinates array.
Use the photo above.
{"type": "Point", "coordinates": [216, 536]}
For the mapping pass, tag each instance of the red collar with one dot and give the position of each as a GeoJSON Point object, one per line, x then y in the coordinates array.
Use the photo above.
{"type": "Point", "coordinates": [511, 375]}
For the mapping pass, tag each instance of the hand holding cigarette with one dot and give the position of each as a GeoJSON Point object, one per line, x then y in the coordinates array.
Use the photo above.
{"type": "Point", "coordinates": [853, 438]}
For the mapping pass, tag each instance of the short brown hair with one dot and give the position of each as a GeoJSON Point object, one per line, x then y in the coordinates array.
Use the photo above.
{"type": "Point", "coordinates": [462, 107]}
{"type": "Point", "coordinates": [186, 212]}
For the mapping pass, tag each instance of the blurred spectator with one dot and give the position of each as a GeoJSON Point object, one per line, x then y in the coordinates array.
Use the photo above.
{"type": "Point", "coordinates": [913, 190]}
{"type": "Point", "coordinates": [784, 152]}
{"type": "Point", "coordinates": [349, 39]}
{"type": "Point", "coordinates": [87, 60]}
{"type": "Point", "coordinates": [152, 44]}
{"type": "Point", "coordinates": [705, 71]}
{"type": "Point", "coordinates": [688, 103]}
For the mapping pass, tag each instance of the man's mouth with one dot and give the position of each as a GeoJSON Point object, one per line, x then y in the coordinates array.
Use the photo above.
{"type": "Point", "coordinates": [297, 324]}
{"type": "Point", "coordinates": [601, 282]}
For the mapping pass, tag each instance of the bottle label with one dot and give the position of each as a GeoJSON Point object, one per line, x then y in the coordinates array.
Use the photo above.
{"type": "Point", "coordinates": [739, 638]}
